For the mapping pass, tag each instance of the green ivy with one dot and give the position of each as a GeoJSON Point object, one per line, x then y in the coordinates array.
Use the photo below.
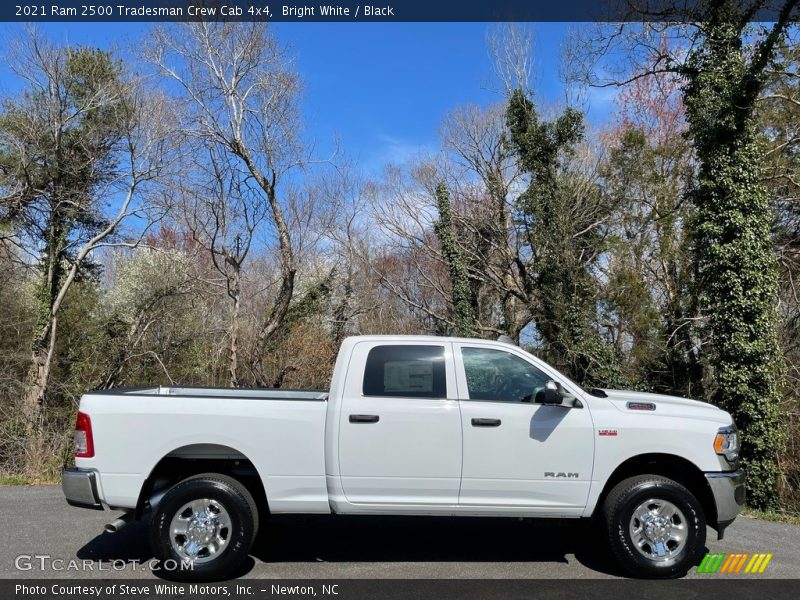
{"type": "Point", "coordinates": [564, 249]}
{"type": "Point", "coordinates": [463, 304]}
{"type": "Point", "coordinates": [735, 259]}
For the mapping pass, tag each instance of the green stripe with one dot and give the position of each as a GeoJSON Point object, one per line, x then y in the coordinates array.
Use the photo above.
{"type": "Point", "coordinates": [716, 563]}
{"type": "Point", "coordinates": [701, 568]}
{"type": "Point", "coordinates": [711, 562]}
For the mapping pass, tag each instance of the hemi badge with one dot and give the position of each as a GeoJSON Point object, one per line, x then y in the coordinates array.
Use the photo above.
{"type": "Point", "coordinates": [641, 406]}
{"type": "Point", "coordinates": [607, 432]}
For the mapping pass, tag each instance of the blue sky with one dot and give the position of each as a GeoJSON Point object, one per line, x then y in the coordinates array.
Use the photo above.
{"type": "Point", "coordinates": [382, 88]}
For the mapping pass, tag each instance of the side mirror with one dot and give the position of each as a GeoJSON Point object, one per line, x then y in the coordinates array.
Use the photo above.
{"type": "Point", "coordinates": [552, 395]}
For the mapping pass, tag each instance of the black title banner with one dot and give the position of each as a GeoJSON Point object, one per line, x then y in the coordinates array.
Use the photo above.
{"type": "Point", "coordinates": [380, 10]}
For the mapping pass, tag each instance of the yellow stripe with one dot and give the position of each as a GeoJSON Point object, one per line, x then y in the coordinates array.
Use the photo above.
{"type": "Point", "coordinates": [767, 558]}
{"type": "Point", "coordinates": [751, 563]}
{"type": "Point", "coordinates": [741, 562]}
{"type": "Point", "coordinates": [757, 564]}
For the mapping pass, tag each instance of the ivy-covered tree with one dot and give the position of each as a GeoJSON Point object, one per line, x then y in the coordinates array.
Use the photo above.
{"type": "Point", "coordinates": [779, 116]}
{"type": "Point", "coordinates": [462, 299]}
{"type": "Point", "coordinates": [723, 72]}
{"type": "Point", "coordinates": [735, 258]}
{"type": "Point", "coordinates": [562, 215]}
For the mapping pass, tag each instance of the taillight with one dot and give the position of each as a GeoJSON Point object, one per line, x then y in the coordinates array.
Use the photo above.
{"type": "Point", "coordinates": [84, 444]}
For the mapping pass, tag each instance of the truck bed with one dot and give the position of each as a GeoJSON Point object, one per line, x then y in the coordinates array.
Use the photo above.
{"type": "Point", "coordinates": [282, 432]}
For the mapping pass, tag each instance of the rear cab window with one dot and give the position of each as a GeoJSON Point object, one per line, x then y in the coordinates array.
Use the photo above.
{"type": "Point", "coordinates": [405, 371]}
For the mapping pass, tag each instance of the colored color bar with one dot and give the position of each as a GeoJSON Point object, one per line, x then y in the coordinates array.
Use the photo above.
{"type": "Point", "coordinates": [764, 564]}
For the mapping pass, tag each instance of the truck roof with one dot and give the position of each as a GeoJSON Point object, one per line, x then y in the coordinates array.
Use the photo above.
{"type": "Point", "coordinates": [426, 338]}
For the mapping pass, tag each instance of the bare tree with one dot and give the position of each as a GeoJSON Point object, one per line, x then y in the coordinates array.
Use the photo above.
{"type": "Point", "coordinates": [240, 95]}
{"type": "Point", "coordinates": [511, 51]}
{"type": "Point", "coordinates": [485, 177]}
{"type": "Point", "coordinates": [479, 169]}
{"type": "Point", "coordinates": [223, 214]}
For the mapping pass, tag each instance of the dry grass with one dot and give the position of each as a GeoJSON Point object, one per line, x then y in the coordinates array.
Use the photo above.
{"type": "Point", "coordinates": [779, 516]}
{"type": "Point", "coordinates": [38, 459]}
{"type": "Point", "coordinates": [790, 465]}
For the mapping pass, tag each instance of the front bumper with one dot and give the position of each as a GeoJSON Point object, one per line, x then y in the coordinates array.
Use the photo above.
{"type": "Point", "coordinates": [80, 488]}
{"type": "Point", "coordinates": [728, 490]}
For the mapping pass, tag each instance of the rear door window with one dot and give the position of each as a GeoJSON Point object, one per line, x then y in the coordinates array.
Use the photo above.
{"type": "Point", "coordinates": [406, 372]}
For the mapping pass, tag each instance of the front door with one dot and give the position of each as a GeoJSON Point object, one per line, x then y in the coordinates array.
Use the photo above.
{"type": "Point", "coordinates": [518, 453]}
{"type": "Point", "coordinates": [399, 434]}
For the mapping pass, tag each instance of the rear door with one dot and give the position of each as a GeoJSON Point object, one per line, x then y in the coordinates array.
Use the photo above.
{"type": "Point", "coordinates": [518, 453]}
{"type": "Point", "coordinates": [400, 430]}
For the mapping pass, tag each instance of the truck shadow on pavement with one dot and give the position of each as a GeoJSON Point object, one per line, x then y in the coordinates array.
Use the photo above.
{"type": "Point", "coordinates": [430, 539]}
{"type": "Point", "coordinates": [368, 539]}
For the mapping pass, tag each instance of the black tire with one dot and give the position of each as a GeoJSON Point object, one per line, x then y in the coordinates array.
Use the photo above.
{"type": "Point", "coordinates": [243, 513]}
{"type": "Point", "coordinates": [618, 510]}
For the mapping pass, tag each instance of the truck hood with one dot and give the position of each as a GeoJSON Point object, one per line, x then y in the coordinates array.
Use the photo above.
{"type": "Point", "coordinates": [668, 406]}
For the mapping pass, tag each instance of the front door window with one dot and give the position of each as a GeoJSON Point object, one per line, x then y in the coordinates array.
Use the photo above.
{"type": "Point", "coordinates": [500, 376]}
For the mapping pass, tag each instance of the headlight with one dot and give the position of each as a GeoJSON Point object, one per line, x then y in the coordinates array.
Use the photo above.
{"type": "Point", "coordinates": [726, 443]}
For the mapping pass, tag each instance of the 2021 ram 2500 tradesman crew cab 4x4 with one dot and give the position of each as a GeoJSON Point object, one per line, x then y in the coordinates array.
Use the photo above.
{"type": "Point", "coordinates": [410, 426]}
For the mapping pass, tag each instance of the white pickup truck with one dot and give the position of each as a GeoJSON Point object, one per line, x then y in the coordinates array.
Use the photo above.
{"type": "Point", "coordinates": [410, 426]}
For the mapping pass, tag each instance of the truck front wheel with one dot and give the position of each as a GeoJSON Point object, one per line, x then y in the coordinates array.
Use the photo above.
{"type": "Point", "coordinates": [655, 526]}
{"type": "Point", "coordinates": [203, 528]}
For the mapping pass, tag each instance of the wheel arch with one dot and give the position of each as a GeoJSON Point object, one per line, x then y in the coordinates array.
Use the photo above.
{"type": "Point", "coordinates": [671, 466]}
{"type": "Point", "coordinates": [194, 459]}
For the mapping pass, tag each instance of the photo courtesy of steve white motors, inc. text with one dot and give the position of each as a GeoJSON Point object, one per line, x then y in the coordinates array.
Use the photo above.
{"type": "Point", "coordinates": [173, 589]}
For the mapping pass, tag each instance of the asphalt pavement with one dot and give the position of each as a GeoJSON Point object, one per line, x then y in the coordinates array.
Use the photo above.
{"type": "Point", "coordinates": [39, 523]}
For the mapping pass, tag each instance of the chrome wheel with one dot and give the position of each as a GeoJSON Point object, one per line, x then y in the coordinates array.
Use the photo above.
{"type": "Point", "coordinates": [658, 530]}
{"type": "Point", "coordinates": [200, 530]}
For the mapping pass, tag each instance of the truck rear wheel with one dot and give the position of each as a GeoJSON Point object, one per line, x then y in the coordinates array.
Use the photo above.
{"type": "Point", "coordinates": [207, 523]}
{"type": "Point", "coordinates": [655, 526]}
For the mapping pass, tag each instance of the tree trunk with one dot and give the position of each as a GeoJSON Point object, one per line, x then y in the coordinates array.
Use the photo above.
{"type": "Point", "coordinates": [233, 349]}
{"type": "Point", "coordinates": [462, 296]}
{"type": "Point", "coordinates": [44, 341]}
{"type": "Point", "coordinates": [271, 324]}
{"type": "Point", "coordinates": [341, 313]}
{"type": "Point", "coordinates": [288, 270]}
{"type": "Point", "coordinates": [42, 358]}
{"type": "Point", "coordinates": [33, 403]}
